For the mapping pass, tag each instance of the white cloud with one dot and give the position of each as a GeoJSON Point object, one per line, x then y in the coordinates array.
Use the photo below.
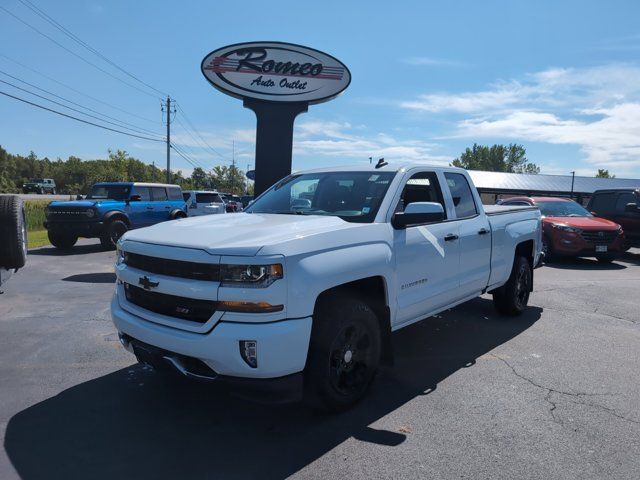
{"type": "Point", "coordinates": [432, 62]}
{"type": "Point", "coordinates": [345, 142]}
{"type": "Point", "coordinates": [597, 109]}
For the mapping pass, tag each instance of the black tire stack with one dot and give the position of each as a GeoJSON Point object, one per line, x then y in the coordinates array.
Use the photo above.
{"type": "Point", "coordinates": [13, 232]}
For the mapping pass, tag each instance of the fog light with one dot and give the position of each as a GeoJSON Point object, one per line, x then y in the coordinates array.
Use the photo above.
{"type": "Point", "coordinates": [249, 352]}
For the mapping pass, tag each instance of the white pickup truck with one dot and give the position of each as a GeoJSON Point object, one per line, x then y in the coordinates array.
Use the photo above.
{"type": "Point", "coordinates": [301, 292]}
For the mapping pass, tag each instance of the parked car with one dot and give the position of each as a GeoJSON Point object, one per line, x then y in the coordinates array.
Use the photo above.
{"type": "Point", "coordinates": [202, 202]}
{"type": "Point", "coordinates": [233, 202]}
{"type": "Point", "coordinates": [621, 205]}
{"type": "Point", "coordinates": [110, 210]}
{"type": "Point", "coordinates": [570, 230]}
{"type": "Point", "coordinates": [13, 236]}
{"type": "Point", "coordinates": [40, 185]}
{"type": "Point", "coordinates": [246, 200]}
{"type": "Point", "coordinates": [303, 296]}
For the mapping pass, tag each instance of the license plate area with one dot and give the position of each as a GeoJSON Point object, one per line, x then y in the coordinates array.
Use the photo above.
{"type": "Point", "coordinates": [601, 248]}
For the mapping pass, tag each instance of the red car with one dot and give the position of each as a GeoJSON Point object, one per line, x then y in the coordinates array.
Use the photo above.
{"type": "Point", "coordinates": [568, 229]}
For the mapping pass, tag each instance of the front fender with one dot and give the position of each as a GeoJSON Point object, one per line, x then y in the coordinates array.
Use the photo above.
{"type": "Point", "coordinates": [115, 213]}
{"type": "Point", "coordinates": [312, 274]}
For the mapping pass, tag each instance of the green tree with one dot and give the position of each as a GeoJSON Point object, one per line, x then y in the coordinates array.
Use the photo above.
{"type": "Point", "coordinates": [199, 178]}
{"type": "Point", "coordinates": [498, 158]}
{"type": "Point", "coordinates": [602, 173]}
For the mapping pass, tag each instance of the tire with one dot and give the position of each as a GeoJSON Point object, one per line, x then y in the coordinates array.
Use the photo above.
{"type": "Point", "coordinates": [605, 258]}
{"type": "Point", "coordinates": [512, 298]}
{"type": "Point", "coordinates": [178, 214]}
{"type": "Point", "coordinates": [13, 232]}
{"type": "Point", "coordinates": [344, 353]}
{"type": "Point", "coordinates": [63, 241]}
{"type": "Point", "coordinates": [53, 191]}
{"type": "Point", "coordinates": [41, 191]}
{"type": "Point", "coordinates": [114, 230]}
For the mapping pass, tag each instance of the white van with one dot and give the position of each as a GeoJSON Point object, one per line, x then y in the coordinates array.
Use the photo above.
{"type": "Point", "coordinates": [203, 202]}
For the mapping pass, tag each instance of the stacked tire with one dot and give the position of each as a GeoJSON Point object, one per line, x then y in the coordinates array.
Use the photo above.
{"type": "Point", "coordinates": [13, 233]}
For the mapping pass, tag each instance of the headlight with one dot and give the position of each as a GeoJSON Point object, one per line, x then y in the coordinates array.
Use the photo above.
{"type": "Point", "coordinates": [250, 276]}
{"type": "Point", "coordinates": [90, 213]}
{"type": "Point", "coordinates": [566, 228]}
{"type": "Point", "coordinates": [120, 256]}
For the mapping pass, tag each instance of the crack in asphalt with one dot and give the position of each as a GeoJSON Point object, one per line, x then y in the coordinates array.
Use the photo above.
{"type": "Point", "coordinates": [578, 395]}
{"type": "Point", "coordinates": [595, 311]}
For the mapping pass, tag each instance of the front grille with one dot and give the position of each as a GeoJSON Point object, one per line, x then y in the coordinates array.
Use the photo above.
{"type": "Point", "coordinates": [69, 214]}
{"type": "Point", "coordinates": [173, 268]}
{"type": "Point", "coordinates": [171, 305]}
{"type": "Point", "coordinates": [599, 236]}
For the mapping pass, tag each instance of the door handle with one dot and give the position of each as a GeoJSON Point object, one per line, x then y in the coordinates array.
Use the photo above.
{"type": "Point", "coordinates": [483, 231]}
{"type": "Point", "coordinates": [451, 237]}
{"type": "Point", "coordinates": [167, 208]}
{"type": "Point", "coordinates": [149, 208]}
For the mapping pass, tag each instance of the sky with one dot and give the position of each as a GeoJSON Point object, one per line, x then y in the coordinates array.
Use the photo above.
{"type": "Point", "coordinates": [429, 78]}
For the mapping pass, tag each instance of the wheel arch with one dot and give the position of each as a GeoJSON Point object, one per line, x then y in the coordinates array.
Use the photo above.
{"type": "Point", "coordinates": [527, 250]}
{"type": "Point", "coordinates": [116, 215]}
{"type": "Point", "coordinates": [374, 291]}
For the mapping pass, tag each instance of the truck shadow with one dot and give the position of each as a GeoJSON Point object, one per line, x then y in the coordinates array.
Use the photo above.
{"type": "Point", "coordinates": [133, 424]}
{"type": "Point", "coordinates": [76, 250]}
{"type": "Point", "coordinates": [102, 277]}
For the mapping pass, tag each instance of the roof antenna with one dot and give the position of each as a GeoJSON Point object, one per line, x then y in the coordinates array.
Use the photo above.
{"type": "Point", "coordinates": [381, 163]}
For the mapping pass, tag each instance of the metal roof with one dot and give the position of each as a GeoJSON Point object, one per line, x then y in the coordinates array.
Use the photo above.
{"type": "Point", "coordinates": [518, 182]}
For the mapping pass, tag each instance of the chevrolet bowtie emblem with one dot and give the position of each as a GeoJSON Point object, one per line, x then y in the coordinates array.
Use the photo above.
{"type": "Point", "coordinates": [146, 283]}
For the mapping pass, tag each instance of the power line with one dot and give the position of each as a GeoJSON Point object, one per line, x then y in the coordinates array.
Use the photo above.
{"type": "Point", "coordinates": [190, 153]}
{"type": "Point", "coordinates": [74, 53]}
{"type": "Point", "coordinates": [71, 108]}
{"type": "Point", "coordinates": [76, 118]}
{"type": "Point", "coordinates": [120, 122]}
{"type": "Point", "coordinates": [37, 72]}
{"type": "Point", "coordinates": [183, 155]}
{"type": "Point", "coordinates": [198, 133]}
{"type": "Point", "coordinates": [75, 38]}
{"type": "Point", "coordinates": [189, 133]}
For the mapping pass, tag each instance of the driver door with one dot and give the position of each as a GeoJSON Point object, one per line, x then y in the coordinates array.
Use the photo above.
{"type": "Point", "coordinates": [427, 256]}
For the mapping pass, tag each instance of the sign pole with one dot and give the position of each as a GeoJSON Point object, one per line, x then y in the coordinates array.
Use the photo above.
{"type": "Point", "coordinates": [274, 140]}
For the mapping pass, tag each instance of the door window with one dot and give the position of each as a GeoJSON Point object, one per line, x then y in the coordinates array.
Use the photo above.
{"type": "Point", "coordinates": [604, 202]}
{"type": "Point", "coordinates": [623, 200]}
{"type": "Point", "coordinates": [421, 187]}
{"type": "Point", "coordinates": [159, 194]}
{"type": "Point", "coordinates": [175, 193]}
{"type": "Point", "coordinates": [144, 192]}
{"type": "Point", "coordinates": [463, 200]}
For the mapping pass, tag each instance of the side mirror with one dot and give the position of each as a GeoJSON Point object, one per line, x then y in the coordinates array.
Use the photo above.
{"type": "Point", "coordinates": [134, 198]}
{"type": "Point", "coordinates": [631, 207]}
{"type": "Point", "coordinates": [300, 203]}
{"type": "Point", "coordinates": [418, 213]}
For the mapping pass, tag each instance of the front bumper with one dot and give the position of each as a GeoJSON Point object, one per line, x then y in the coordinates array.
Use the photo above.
{"type": "Point", "coordinates": [568, 244]}
{"type": "Point", "coordinates": [281, 345]}
{"type": "Point", "coordinates": [81, 229]}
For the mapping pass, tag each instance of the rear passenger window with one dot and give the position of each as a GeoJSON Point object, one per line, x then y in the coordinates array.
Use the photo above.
{"type": "Point", "coordinates": [461, 193]}
{"type": "Point", "coordinates": [604, 202]}
{"type": "Point", "coordinates": [185, 196]}
{"type": "Point", "coordinates": [144, 192]}
{"type": "Point", "coordinates": [623, 200]}
{"type": "Point", "coordinates": [159, 194]}
{"type": "Point", "coordinates": [175, 193]}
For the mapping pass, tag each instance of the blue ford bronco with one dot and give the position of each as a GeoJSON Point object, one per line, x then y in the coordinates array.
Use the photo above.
{"type": "Point", "coordinates": [110, 210]}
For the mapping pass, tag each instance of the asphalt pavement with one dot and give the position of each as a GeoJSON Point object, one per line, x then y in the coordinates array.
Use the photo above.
{"type": "Point", "coordinates": [553, 394]}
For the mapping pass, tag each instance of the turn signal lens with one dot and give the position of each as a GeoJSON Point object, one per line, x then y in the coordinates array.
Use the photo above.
{"type": "Point", "coordinates": [249, 307]}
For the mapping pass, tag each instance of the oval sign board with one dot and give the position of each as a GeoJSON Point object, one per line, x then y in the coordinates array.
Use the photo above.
{"type": "Point", "coordinates": [276, 71]}
{"type": "Point", "coordinates": [251, 174]}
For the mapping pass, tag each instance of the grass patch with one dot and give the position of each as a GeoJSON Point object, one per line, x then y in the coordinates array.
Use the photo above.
{"type": "Point", "coordinates": [37, 238]}
{"type": "Point", "coordinates": [34, 210]}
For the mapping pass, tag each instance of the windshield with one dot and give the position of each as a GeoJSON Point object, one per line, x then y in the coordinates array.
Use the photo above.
{"type": "Point", "coordinates": [562, 209]}
{"type": "Point", "coordinates": [36, 180]}
{"type": "Point", "coordinates": [113, 192]}
{"type": "Point", "coordinates": [352, 196]}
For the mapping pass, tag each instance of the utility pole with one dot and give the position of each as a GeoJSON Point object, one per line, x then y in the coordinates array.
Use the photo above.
{"type": "Point", "coordinates": [233, 165]}
{"type": "Point", "coordinates": [573, 177]}
{"type": "Point", "coordinates": [169, 112]}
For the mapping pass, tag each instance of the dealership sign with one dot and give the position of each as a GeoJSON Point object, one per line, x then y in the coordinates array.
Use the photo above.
{"type": "Point", "coordinates": [277, 72]}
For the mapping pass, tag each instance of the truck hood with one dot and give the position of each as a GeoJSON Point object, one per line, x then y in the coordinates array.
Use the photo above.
{"type": "Point", "coordinates": [85, 203]}
{"type": "Point", "coordinates": [238, 233]}
{"type": "Point", "coordinates": [584, 223]}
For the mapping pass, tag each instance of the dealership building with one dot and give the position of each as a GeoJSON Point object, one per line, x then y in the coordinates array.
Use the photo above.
{"type": "Point", "coordinates": [496, 185]}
